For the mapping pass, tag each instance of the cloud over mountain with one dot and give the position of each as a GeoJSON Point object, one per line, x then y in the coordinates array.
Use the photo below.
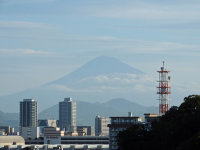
{"type": "Point", "coordinates": [100, 66]}
{"type": "Point", "coordinates": [97, 81]}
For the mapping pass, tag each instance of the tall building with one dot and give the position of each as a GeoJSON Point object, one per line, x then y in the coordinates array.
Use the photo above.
{"type": "Point", "coordinates": [101, 126]}
{"type": "Point", "coordinates": [28, 113]}
{"type": "Point", "coordinates": [67, 115]}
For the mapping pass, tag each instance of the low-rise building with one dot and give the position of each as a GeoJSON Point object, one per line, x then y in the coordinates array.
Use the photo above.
{"type": "Point", "coordinates": [47, 123]}
{"type": "Point", "coordinates": [42, 123]}
{"type": "Point", "coordinates": [89, 130]}
{"type": "Point", "coordinates": [59, 146]}
{"type": "Point", "coordinates": [149, 118]}
{"type": "Point", "coordinates": [82, 131]}
{"type": "Point", "coordinates": [39, 140]}
{"type": "Point", "coordinates": [52, 135]}
{"type": "Point", "coordinates": [85, 140]}
{"type": "Point", "coordinates": [120, 124]}
{"type": "Point", "coordinates": [30, 132]}
{"type": "Point", "coordinates": [11, 140]}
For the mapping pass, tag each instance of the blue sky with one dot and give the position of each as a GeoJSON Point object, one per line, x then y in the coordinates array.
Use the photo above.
{"type": "Point", "coordinates": [41, 41]}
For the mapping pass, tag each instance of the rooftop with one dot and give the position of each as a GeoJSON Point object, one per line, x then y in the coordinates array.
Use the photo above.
{"type": "Point", "coordinates": [11, 139]}
{"type": "Point", "coordinates": [29, 100]}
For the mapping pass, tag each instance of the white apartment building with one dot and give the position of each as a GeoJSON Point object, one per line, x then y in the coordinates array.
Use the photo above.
{"type": "Point", "coordinates": [101, 126]}
{"type": "Point", "coordinates": [30, 132]}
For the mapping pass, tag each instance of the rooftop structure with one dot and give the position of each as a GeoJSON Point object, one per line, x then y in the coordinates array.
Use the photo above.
{"type": "Point", "coordinates": [8, 130]}
{"type": "Point", "coordinates": [11, 140]}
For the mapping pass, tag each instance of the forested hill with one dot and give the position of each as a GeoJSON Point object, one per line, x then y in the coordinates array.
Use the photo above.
{"type": "Point", "coordinates": [178, 129]}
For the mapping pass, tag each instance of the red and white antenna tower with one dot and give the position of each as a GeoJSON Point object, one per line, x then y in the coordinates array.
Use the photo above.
{"type": "Point", "coordinates": [163, 90]}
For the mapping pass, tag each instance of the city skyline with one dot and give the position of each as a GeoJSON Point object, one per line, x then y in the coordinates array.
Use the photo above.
{"type": "Point", "coordinates": [43, 41]}
{"type": "Point", "coordinates": [112, 57]}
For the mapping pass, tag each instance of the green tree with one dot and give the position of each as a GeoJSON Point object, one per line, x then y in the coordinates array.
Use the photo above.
{"type": "Point", "coordinates": [178, 129]}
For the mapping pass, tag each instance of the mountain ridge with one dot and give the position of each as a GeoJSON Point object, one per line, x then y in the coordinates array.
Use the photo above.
{"type": "Point", "coordinates": [105, 78]}
{"type": "Point", "coordinates": [86, 112]}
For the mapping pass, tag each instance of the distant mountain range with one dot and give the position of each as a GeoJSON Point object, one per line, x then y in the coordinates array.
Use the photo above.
{"type": "Point", "coordinates": [97, 81]}
{"type": "Point", "coordinates": [86, 112]}
{"type": "Point", "coordinates": [11, 119]}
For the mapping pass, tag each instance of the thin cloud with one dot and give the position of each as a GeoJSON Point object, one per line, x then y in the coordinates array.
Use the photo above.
{"type": "Point", "coordinates": [22, 24]}
{"type": "Point", "coordinates": [133, 46]}
{"type": "Point", "coordinates": [23, 52]}
{"type": "Point", "coordinates": [148, 10]}
{"type": "Point", "coordinates": [124, 78]}
{"type": "Point", "coordinates": [117, 80]}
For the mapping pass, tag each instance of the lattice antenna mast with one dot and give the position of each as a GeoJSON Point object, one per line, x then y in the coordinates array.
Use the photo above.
{"type": "Point", "coordinates": [163, 90]}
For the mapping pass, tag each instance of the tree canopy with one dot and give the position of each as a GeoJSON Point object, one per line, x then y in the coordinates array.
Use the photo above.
{"type": "Point", "coordinates": [178, 129]}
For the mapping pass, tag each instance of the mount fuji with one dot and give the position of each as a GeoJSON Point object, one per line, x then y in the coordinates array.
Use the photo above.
{"type": "Point", "coordinates": [99, 80]}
